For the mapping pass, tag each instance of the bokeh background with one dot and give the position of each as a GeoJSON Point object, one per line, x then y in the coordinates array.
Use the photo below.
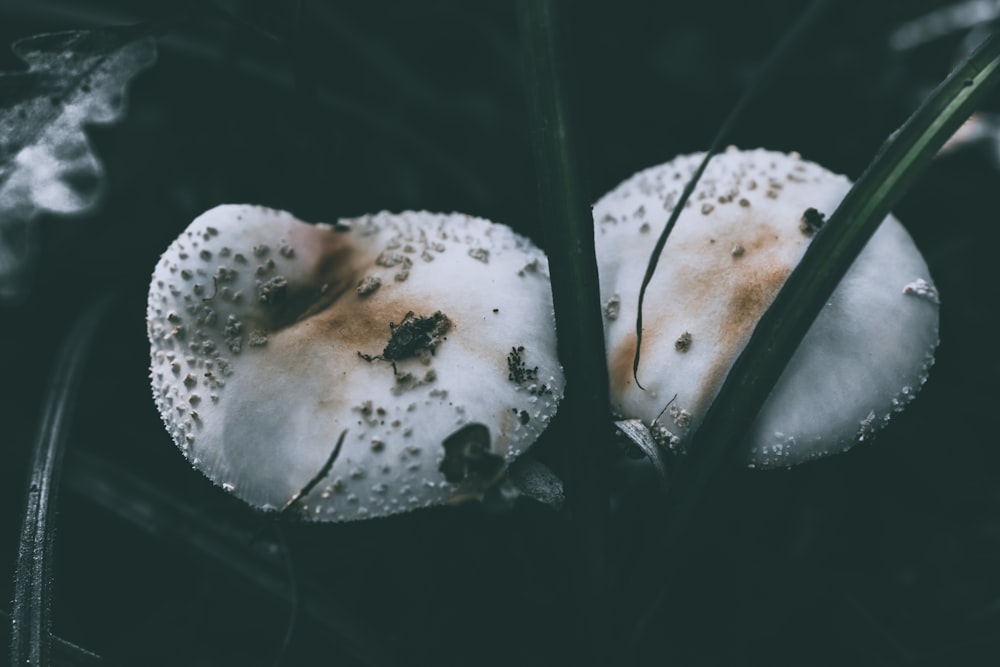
{"type": "Point", "coordinates": [888, 555]}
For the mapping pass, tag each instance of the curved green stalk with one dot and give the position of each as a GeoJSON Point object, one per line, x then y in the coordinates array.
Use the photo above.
{"type": "Point", "coordinates": [715, 451]}
{"type": "Point", "coordinates": [782, 54]}
{"type": "Point", "coordinates": [31, 616]}
{"type": "Point", "coordinates": [899, 162]}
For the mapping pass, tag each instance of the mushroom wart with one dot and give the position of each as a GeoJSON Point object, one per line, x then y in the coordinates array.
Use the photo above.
{"type": "Point", "coordinates": [270, 338]}
{"type": "Point", "coordinates": [744, 229]}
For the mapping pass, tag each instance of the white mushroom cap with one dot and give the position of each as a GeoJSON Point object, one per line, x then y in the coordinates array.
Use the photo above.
{"type": "Point", "coordinates": [270, 337]}
{"type": "Point", "coordinates": [744, 229]}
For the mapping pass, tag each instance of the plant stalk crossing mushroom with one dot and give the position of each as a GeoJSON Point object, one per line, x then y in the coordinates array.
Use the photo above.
{"type": "Point", "coordinates": [742, 232]}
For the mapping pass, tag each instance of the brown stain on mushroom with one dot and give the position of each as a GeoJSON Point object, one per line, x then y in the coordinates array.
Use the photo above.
{"type": "Point", "coordinates": [362, 325]}
{"type": "Point", "coordinates": [620, 368]}
{"type": "Point", "coordinates": [747, 288]}
{"type": "Point", "coordinates": [325, 307]}
{"type": "Point", "coordinates": [330, 337]}
{"type": "Point", "coordinates": [746, 306]}
{"type": "Point", "coordinates": [754, 283]}
{"type": "Point", "coordinates": [335, 270]}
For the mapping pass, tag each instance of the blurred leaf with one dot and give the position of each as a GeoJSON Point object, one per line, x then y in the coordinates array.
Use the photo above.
{"type": "Point", "coordinates": [640, 435]}
{"type": "Point", "coordinates": [225, 546]}
{"type": "Point", "coordinates": [47, 165]}
{"type": "Point", "coordinates": [536, 480]}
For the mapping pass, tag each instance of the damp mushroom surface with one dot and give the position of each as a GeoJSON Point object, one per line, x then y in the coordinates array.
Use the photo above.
{"type": "Point", "coordinates": [352, 370]}
{"type": "Point", "coordinates": [744, 229]}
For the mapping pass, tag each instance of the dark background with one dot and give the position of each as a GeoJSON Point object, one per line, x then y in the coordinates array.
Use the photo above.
{"type": "Point", "coordinates": [888, 555]}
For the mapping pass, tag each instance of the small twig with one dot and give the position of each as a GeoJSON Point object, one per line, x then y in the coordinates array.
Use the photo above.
{"type": "Point", "coordinates": [669, 403]}
{"type": "Point", "coordinates": [318, 477]}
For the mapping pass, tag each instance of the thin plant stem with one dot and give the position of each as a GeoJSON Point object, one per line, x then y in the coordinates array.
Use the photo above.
{"type": "Point", "coordinates": [793, 40]}
{"type": "Point", "coordinates": [31, 616]}
{"type": "Point", "coordinates": [64, 652]}
{"type": "Point", "coordinates": [568, 232]}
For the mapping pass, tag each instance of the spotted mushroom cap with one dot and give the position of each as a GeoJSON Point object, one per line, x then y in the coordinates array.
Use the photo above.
{"type": "Point", "coordinates": [744, 229]}
{"type": "Point", "coordinates": [428, 338]}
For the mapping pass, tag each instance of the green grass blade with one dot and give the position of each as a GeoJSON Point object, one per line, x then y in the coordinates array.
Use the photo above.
{"type": "Point", "coordinates": [900, 161]}
{"type": "Point", "coordinates": [31, 614]}
{"type": "Point", "coordinates": [715, 452]}
{"type": "Point", "coordinates": [568, 232]}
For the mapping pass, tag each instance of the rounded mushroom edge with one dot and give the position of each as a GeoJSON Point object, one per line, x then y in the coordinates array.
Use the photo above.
{"type": "Point", "coordinates": [352, 370]}
{"type": "Point", "coordinates": [743, 230]}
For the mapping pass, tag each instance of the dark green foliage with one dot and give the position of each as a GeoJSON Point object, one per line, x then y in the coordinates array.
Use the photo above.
{"type": "Point", "coordinates": [884, 556]}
